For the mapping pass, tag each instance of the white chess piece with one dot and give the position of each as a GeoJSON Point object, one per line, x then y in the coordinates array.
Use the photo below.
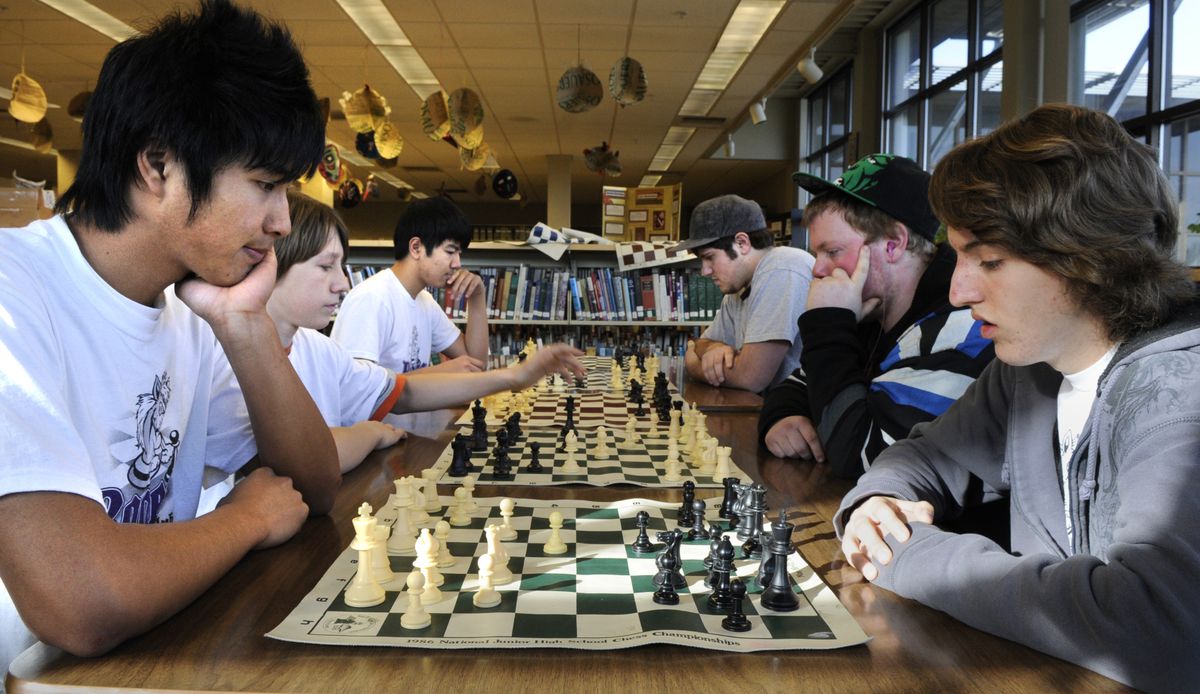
{"type": "Point", "coordinates": [402, 537]}
{"type": "Point", "coordinates": [459, 517]}
{"type": "Point", "coordinates": [486, 596]}
{"type": "Point", "coordinates": [631, 436]}
{"type": "Point", "coordinates": [673, 427]}
{"type": "Point", "coordinates": [364, 590]}
{"type": "Point", "coordinates": [601, 450]}
{"type": "Point", "coordinates": [500, 572]}
{"type": "Point", "coordinates": [404, 496]}
{"type": "Point", "coordinates": [507, 531]}
{"type": "Point", "coordinates": [724, 463]}
{"type": "Point", "coordinates": [555, 544]}
{"type": "Point", "coordinates": [570, 465]}
{"type": "Point", "coordinates": [427, 562]}
{"type": "Point", "coordinates": [415, 617]}
{"type": "Point", "coordinates": [469, 485]}
{"type": "Point", "coordinates": [708, 456]}
{"type": "Point", "coordinates": [432, 503]}
{"type": "Point", "coordinates": [442, 532]}
{"type": "Point", "coordinates": [381, 568]}
{"type": "Point", "coordinates": [653, 430]}
{"type": "Point", "coordinates": [673, 471]}
{"type": "Point", "coordinates": [571, 442]}
{"type": "Point", "coordinates": [417, 515]}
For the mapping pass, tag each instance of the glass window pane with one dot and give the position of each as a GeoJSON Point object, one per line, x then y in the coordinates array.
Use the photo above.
{"type": "Point", "coordinates": [816, 121]}
{"type": "Point", "coordinates": [947, 121]}
{"type": "Point", "coordinates": [948, 39]}
{"type": "Point", "coordinates": [904, 59]}
{"type": "Point", "coordinates": [1183, 68]}
{"type": "Point", "coordinates": [1114, 40]}
{"type": "Point", "coordinates": [1183, 169]}
{"type": "Point", "coordinates": [837, 162]}
{"type": "Point", "coordinates": [839, 106]}
{"type": "Point", "coordinates": [989, 99]}
{"type": "Point", "coordinates": [991, 27]}
{"type": "Point", "coordinates": [902, 133]}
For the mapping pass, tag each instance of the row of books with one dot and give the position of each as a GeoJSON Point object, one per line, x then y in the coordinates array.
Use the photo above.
{"type": "Point", "coordinates": [526, 293]}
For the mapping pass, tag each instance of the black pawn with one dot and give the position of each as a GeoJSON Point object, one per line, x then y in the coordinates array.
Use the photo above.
{"type": "Point", "coordinates": [461, 457]}
{"type": "Point", "coordinates": [698, 532]}
{"type": "Point", "coordinates": [643, 545]}
{"type": "Point", "coordinates": [720, 598]}
{"type": "Point", "coordinates": [685, 509]}
{"type": "Point", "coordinates": [737, 620]}
{"type": "Point", "coordinates": [666, 595]}
{"type": "Point", "coordinates": [535, 452]}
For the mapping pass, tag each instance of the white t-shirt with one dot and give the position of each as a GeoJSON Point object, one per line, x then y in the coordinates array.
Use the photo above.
{"type": "Point", "coordinates": [100, 396]}
{"type": "Point", "coordinates": [1076, 395]}
{"type": "Point", "coordinates": [381, 322]}
{"type": "Point", "coordinates": [346, 391]}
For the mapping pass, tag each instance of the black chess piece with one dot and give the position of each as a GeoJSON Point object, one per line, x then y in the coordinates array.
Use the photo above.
{"type": "Point", "coordinates": [643, 545]}
{"type": "Point", "coordinates": [725, 510]}
{"type": "Point", "coordinates": [779, 596]}
{"type": "Point", "coordinates": [721, 598]}
{"type": "Point", "coordinates": [698, 531]}
{"type": "Point", "coordinates": [714, 546]}
{"type": "Point", "coordinates": [685, 509]}
{"type": "Point", "coordinates": [580, 382]}
{"type": "Point", "coordinates": [513, 425]}
{"type": "Point", "coordinates": [671, 540]}
{"type": "Point", "coordinates": [737, 620]}
{"type": "Point", "coordinates": [461, 457]}
{"type": "Point", "coordinates": [479, 434]}
{"type": "Point", "coordinates": [535, 451]}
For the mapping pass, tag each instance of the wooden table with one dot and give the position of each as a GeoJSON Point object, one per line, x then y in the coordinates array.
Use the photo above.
{"type": "Point", "coordinates": [217, 643]}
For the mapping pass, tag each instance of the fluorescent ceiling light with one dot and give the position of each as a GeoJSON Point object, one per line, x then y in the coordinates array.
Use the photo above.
{"type": "Point", "coordinates": [419, 195]}
{"type": "Point", "coordinates": [377, 22]}
{"type": "Point", "coordinates": [742, 33]}
{"type": "Point", "coordinates": [94, 17]}
{"type": "Point", "coordinates": [650, 180]}
{"type": "Point", "coordinates": [348, 155]}
{"type": "Point", "coordinates": [392, 180]}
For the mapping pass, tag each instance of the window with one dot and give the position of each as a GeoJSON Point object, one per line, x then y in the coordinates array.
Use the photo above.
{"type": "Point", "coordinates": [828, 110]}
{"type": "Point", "coordinates": [1137, 61]}
{"type": "Point", "coordinates": [944, 73]}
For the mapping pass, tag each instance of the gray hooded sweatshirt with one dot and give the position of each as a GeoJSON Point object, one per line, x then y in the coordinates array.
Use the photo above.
{"type": "Point", "coordinates": [1123, 598]}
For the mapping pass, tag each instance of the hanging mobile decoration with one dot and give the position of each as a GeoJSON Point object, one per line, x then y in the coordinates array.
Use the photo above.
{"type": "Point", "coordinates": [627, 82]}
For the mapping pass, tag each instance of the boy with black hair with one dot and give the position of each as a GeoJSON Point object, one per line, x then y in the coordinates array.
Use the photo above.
{"type": "Point", "coordinates": [753, 341]}
{"type": "Point", "coordinates": [884, 348]}
{"type": "Point", "coordinates": [1088, 421]}
{"type": "Point", "coordinates": [161, 256]}
{"type": "Point", "coordinates": [391, 318]}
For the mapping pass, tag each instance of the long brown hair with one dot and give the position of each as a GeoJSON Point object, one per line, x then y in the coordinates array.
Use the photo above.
{"type": "Point", "coordinates": [1067, 189]}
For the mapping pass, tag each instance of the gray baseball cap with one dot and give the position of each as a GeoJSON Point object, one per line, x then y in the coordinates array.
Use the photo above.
{"type": "Point", "coordinates": [719, 217]}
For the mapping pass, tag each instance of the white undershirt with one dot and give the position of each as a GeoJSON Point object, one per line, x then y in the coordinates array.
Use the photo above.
{"type": "Point", "coordinates": [1076, 396]}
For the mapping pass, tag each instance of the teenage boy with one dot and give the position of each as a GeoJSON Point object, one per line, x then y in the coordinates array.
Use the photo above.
{"type": "Point", "coordinates": [1088, 421]}
{"type": "Point", "coordinates": [113, 312]}
{"type": "Point", "coordinates": [391, 318]}
{"type": "Point", "coordinates": [753, 341]}
{"type": "Point", "coordinates": [884, 348]}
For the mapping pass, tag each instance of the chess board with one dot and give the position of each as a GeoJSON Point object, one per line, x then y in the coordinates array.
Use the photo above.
{"type": "Point", "coordinates": [597, 596]}
{"type": "Point", "coordinates": [643, 465]}
{"type": "Point", "coordinates": [592, 409]}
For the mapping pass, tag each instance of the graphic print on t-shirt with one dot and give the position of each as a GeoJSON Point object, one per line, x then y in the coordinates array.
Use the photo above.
{"type": "Point", "coordinates": [414, 361]}
{"type": "Point", "coordinates": [149, 453]}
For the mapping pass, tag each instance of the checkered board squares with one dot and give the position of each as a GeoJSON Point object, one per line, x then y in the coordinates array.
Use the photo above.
{"type": "Point", "coordinates": [640, 254]}
{"type": "Point", "coordinates": [592, 409]}
{"type": "Point", "coordinates": [643, 465]}
{"type": "Point", "coordinates": [597, 596]}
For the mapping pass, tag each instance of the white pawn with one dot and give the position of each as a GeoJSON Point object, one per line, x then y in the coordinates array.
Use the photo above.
{"type": "Point", "coordinates": [570, 466]}
{"type": "Point", "coordinates": [701, 423]}
{"type": "Point", "coordinates": [401, 539]}
{"type": "Point", "coordinates": [442, 532]}
{"type": "Point", "coordinates": [500, 572]}
{"type": "Point", "coordinates": [507, 531]}
{"type": "Point", "coordinates": [631, 435]}
{"type": "Point", "coordinates": [555, 544]}
{"type": "Point", "coordinates": [432, 503]}
{"type": "Point", "coordinates": [674, 468]}
{"type": "Point", "coordinates": [724, 463]}
{"type": "Point", "coordinates": [653, 430]}
{"type": "Point", "coordinates": [486, 596]}
{"type": "Point", "coordinates": [469, 485]}
{"type": "Point", "coordinates": [415, 617]}
{"type": "Point", "coordinates": [601, 450]}
{"type": "Point", "coordinates": [459, 517]}
{"type": "Point", "coordinates": [364, 590]}
{"type": "Point", "coordinates": [427, 562]}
